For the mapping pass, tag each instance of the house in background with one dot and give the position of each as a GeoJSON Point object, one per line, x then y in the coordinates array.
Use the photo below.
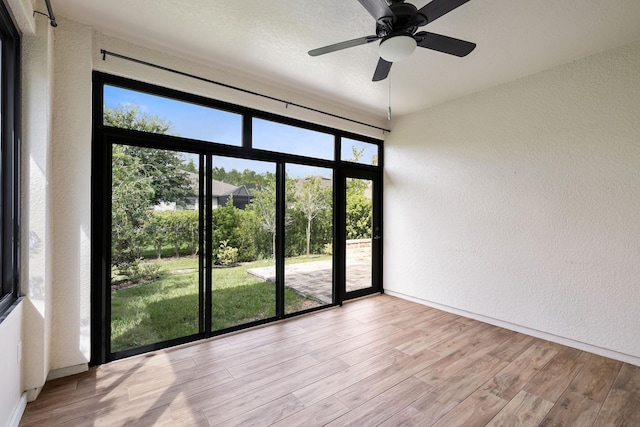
{"type": "Point", "coordinates": [221, 193]}
{"type": "Point", "coordinates": [324, 181]}
{"type": "Point", "coordinates": [511, 177]}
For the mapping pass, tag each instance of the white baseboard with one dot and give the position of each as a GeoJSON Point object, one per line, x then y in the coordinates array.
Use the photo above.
{"type": "Point", "coordinates": [33, 393]}
{"type": "Point", "coordinates": [524, 330]}
{"type": "Point", "coordinates": [67, 371]}
{"type": "Point", "coordinates": [19, 411]}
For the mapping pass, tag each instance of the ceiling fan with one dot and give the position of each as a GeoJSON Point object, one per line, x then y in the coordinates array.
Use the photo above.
{"type": "Point", "coordinates": [397, 26]}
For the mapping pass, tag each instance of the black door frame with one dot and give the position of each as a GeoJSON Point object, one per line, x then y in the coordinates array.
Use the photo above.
{"type": "Point", "coordinates": [375, 176]}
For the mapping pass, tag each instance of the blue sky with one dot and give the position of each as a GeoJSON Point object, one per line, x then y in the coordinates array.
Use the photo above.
{"type": "Point", "coordinates": [208, 124]}
{"type": "Point", "coordinates": [188, 120]}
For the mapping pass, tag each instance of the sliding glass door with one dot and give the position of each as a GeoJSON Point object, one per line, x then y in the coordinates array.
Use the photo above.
{"type": "Point", "coordinates": [241, 223]}
{"type": "Point", "coordinates": [308, 262]}
{"type": "Point", "coordinates": [156, 282]}
{"type": "Point", "coordinates": [195, 244]}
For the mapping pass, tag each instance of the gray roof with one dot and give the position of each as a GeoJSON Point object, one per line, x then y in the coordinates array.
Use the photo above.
{"type": "Point", "coordinates": [218, 188]}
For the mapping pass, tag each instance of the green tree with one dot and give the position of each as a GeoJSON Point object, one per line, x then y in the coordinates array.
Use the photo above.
{"type": "Point", "coordinates": [225, 226]}
{"type": "Point", "coordinates": [359, 209]}
{"type": "Point", "coordinates": [263, 204]}
{"type": "Point", "coordinates": [311, 199]}
{"type": "Point", "coordinates": [359, 217]}
{"type": "Point", "coordinates": [156, 232]}
{"type": "Point", "coordinates": [169, 179]}
{"type": "Point", "coordinates": [130, 116]}
{"type": "Point", "coordinates": [180, 229]}
{"type": "Point", "coordinates": [356, 154]}
{"type": "Point", "coordinates": [255, 242]}
{"type": "Point", "coordinates": [249, 178]}
{"type": "Point", "coordinates": [131, 196]}
{"type": "Point", "coordinates": [167, 169]}
{"type": "Point", "coordinates": [190, 166]}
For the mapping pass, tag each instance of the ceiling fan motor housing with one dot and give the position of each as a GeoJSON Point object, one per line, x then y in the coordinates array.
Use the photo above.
{"type": "Point", "coordinates": [406, 20]}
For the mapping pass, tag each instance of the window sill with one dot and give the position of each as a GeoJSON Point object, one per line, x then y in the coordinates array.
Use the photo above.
{"type": "Point", "coordinates": [4, 314]}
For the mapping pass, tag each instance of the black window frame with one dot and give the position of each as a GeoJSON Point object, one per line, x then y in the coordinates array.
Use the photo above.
{"type": "Point", "coordinates": [103, 136]}
{"type": "Point", "coordinates": [9, 160]}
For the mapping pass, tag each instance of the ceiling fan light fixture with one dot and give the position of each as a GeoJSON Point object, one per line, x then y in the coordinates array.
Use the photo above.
{"type": "Point", "coordinates": [397, 48]}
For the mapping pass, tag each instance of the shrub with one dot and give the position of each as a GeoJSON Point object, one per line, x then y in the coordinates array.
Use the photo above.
{"type": "Point", "coordinates": [136, 272]}
{"type": "Point", "coordinates": [227, 255]}
{"type": "Point", "coordinates": [236, 226]}
{"type": "Point", "coordinates": [156, 233]}
{"type": "Point", "coordinates": [328, 249]}
{"type": "Point", "coordinates": [179, 228]}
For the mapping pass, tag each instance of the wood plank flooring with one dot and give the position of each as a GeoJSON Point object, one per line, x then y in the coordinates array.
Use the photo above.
{"type": "Point", "coordinates": [375, 361]}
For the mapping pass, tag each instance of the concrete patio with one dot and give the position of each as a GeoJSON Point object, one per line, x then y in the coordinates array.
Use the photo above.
{"type": "Point", "coordinates": [314, 279]}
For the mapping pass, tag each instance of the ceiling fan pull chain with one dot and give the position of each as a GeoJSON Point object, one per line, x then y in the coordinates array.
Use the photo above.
{"type": "Point", "coordinates": [389, 111]}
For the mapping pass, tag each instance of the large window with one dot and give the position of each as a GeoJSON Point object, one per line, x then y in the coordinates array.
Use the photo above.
{"type": "Point", "coordinates": [9, 157]}
{"type": "Point", "coordinates": [213, 217]}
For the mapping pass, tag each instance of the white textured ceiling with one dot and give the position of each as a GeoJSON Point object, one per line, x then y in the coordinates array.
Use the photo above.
{"type": "Point", "coordinates": [269, 40]}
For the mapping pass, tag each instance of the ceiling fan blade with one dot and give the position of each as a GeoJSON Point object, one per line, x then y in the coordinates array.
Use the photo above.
{"type": "Point", "coordinates": [343, 45]}
{"type": "Point", "coordinates": [382, 70]}
{"type": "Point", "coordinates": [376, 8]}
{"type": "Point", "coordinates": [444, 44]}
{"type": "Point", "coordinates": [437, 8]}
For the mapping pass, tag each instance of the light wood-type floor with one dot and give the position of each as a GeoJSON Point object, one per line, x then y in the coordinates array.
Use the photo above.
{"type": "Point", "coordinates": [375, 361]}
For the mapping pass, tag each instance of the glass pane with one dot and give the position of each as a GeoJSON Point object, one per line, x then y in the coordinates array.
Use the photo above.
{"type": "Point", "coordinates": [131, 109]}
{"type": "Point", "coordinates": [287, 139]}
{"type": "Point", "coordinates": [359, 152]}
{"type": "Point", "coordinates": [359, 227]}
{"type": "Point", "coordinates": [308, 238]}
{"type": "Point", "coordinates": [243, 228]}
{"type": "Point", "coordinates": [154, 242]}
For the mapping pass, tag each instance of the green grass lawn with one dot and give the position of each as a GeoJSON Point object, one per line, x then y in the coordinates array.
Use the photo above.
{"type": "Point", "coordinates": [167, 308]}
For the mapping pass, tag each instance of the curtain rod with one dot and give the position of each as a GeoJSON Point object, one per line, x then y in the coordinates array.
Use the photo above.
{"type": "Point", "coordinates": [193, 76]}
{"type": "Point", "coordinates": [49, 14]}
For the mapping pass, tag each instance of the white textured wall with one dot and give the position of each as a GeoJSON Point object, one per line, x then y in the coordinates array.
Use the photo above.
{"type": "Point", "coordinates": [10, 366]}
{"type": "Point", "coordinates": [521, 204]}
{"type": "Point", "coordinates": [71, 195]}
{"type": "Point", "coordinates": [37, 98]}
{"type": "Point", "coordinates": [22, 12]}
